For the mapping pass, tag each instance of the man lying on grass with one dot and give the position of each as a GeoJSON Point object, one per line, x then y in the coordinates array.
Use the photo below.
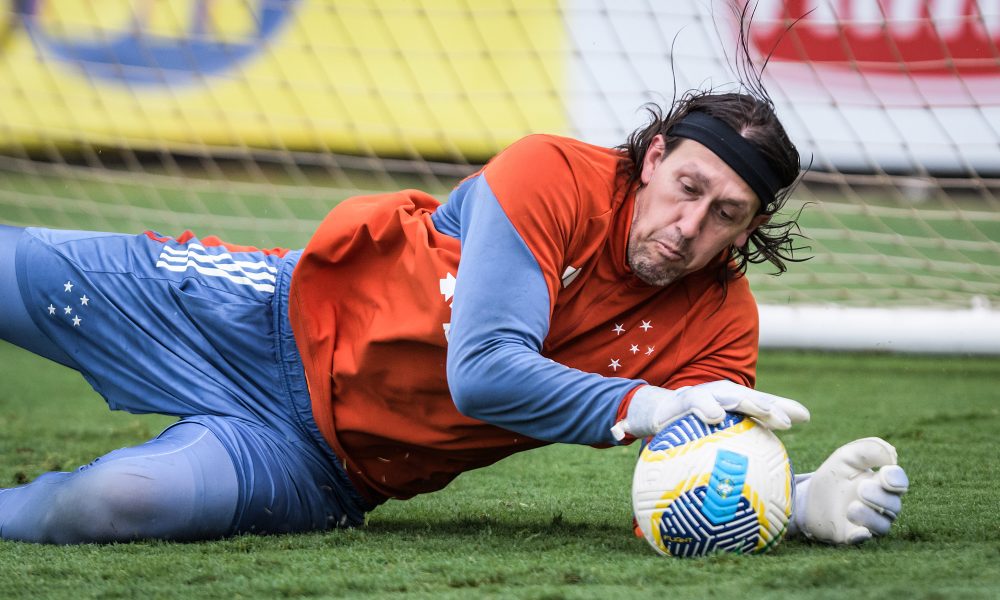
{"type": "Point", "coordinates": [566, 293]}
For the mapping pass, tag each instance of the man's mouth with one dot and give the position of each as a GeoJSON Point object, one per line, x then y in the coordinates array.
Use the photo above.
{"type": "Point", "coordinates": [669, 251]}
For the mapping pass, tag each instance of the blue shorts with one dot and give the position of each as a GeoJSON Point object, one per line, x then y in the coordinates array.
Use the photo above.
{"type": "Point", "coordinates": [196, 331]}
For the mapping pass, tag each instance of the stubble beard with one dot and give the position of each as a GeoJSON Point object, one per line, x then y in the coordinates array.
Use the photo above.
{"type": "Point", "coordinates": [649, 265]}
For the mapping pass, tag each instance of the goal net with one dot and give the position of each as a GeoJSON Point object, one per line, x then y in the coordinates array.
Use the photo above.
{"type": "Point", "coordinates": [250, 119]}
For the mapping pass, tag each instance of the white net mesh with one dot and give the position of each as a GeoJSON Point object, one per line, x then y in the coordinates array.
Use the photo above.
{"type": "Point", "coordinates": [250, 119]}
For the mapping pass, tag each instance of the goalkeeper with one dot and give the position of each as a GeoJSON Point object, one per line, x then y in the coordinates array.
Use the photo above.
{"type": "Point", "coordinates": [566, 293]}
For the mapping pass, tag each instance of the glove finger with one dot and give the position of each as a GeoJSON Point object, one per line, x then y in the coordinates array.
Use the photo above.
{"type": "Point", "coordinates": [737, 398]}
{"type": "Point", "coordinates": [878, 499]}
{"type": "Point", "coordinates": [774, 412]}
{"type": "Point", "coordinates": [704, 406]}
{"type": "Point", "coordinates": [866, 517]}
{"type": "Point", "coordinates": [775, 419]}
{"type": "Point", "coordinates": [730, 395]}
{"type": "Point", "coordinates": [894, 479]}
{"type": "Point", "coordinates": [797, 413]}
{"type": "Point", "coordinates": [766, 414]}
{"type": "Point", "coordinates": [858, 536]}
{"type": "Point", "coordinates": [854, 533]}
{"type": "Point", "coordinates": [861, 455]}
{"type": "Point", "coordinates": [782, 412]}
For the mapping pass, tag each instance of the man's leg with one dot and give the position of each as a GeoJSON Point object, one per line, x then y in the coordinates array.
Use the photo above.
{"type": "Point", "coordinates": [179, 328]}
{"type": "Point", "coordinates": [179, 486]}
{"type": "Point", "coordinates": [16, 326]}
{"type": "Point", "coordinates": [204, 478]}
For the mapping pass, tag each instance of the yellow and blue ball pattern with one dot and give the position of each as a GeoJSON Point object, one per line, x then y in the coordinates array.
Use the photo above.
{"type": "Point", "coordinates": [700, 489]}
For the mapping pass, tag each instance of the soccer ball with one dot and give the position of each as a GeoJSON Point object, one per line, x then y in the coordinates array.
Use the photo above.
{"type": "Point", "coordinates": [700, 489]}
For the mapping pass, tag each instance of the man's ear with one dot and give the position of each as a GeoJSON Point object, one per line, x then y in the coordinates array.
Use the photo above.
{"type": "Point", "coordinates": [755, 222]}
{"type": "Point", "coordinates": [654, 155]}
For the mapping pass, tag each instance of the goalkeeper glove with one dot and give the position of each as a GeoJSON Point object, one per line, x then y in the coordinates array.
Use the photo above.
{"type": "Point", "coordinates": [845, 501]}
{"type": "Point", "coordinates": [654, 407]}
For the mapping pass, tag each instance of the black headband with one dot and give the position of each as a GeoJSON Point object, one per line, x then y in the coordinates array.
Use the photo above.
{"type": "Point", "coordinates": [733, 149]}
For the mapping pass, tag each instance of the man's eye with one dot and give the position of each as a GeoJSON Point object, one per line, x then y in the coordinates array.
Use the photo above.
{"type": "Point", "coordinates": [689, 189]}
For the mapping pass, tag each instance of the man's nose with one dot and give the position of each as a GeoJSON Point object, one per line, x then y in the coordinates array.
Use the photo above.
{"type": "Point", "coordinates": [692, 218]}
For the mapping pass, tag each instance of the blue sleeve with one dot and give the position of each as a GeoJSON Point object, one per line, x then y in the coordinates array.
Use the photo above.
{"type": "Point", "coordinates": [500, 317]}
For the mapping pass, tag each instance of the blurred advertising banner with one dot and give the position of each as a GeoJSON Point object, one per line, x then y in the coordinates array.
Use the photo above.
{"type": "Point", "coordinates": [392, 77]}
{"type": "Point", "coordinates": [905, 86]}
{"type": "Point", "coordinates": [900, 85]}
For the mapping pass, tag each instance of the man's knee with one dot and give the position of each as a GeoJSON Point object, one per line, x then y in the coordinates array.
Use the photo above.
{"type": "Point", "coordinates": [179, 486]}
{"type": "Point", "coordinates": [114, 503]}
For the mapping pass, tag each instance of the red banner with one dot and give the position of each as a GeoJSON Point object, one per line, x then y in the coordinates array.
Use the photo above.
{"type": "Point", "coordinates": [890, 52]}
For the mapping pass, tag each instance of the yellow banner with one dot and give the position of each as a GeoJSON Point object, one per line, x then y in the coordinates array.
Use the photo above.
{"type": "Point", "coordinates": [435, 78]}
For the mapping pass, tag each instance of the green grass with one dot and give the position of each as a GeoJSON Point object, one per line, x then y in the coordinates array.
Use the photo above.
{"type": "Point", "coordinates": [916, 257]}
{"type": "Point", "coordinates": [553, 523]}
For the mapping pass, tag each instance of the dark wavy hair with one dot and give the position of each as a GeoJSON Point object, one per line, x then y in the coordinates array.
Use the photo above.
{"type": "Point", "coordinates": [750, 112]}
{"type": "Point", "coordinates": [756, 121]}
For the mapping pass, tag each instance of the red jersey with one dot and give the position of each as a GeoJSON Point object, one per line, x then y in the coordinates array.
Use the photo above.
{"type": "Point", "coordinates": [543, 329]}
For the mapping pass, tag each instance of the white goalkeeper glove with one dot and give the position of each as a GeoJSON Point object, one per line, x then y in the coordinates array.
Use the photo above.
{"type": "Point", "coordinates": [654, 407]}
{"type": "Point", "coordinates": [845, 501]}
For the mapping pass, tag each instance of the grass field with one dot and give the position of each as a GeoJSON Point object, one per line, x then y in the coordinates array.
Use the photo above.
{"type": "Point", "coordinates": [553, 523]}
{"type": "Point", "coordinates": [882, 251]}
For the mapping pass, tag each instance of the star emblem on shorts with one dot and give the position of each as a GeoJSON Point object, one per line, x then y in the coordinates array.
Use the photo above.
{"type": "Point", "coordinates": [615, 364]}
{"type": "Point", "coordinates": [633, 349]}
{"type": "Point", "coordinates": [649, 350]}
{"type": "Point", "coordinates": [68, 311]}
{"type": "Point", "coordinates": [619, 329]}
{"type": "Point", "coordinates": [646, 325]}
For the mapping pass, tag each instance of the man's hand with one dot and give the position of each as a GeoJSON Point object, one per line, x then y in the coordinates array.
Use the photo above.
{"type": "Point", "coordinates": [653, 407]}
{"type": "Point", "coordinates": [845, 501]}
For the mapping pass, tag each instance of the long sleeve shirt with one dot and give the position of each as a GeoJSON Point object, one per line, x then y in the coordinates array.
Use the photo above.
{"type": "Point", "coordinates": [439, 338]}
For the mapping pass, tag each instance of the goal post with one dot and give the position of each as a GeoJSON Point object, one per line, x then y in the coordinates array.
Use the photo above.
{"type": "Point", "coordinates": [250, 119]}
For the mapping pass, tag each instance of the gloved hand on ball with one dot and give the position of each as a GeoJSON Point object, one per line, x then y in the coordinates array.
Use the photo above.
{"type": "Point", "coordinates": [653, 407]}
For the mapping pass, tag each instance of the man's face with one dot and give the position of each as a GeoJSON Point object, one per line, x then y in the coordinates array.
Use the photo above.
{"type": "Point", "coordinates": [691, 206]}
